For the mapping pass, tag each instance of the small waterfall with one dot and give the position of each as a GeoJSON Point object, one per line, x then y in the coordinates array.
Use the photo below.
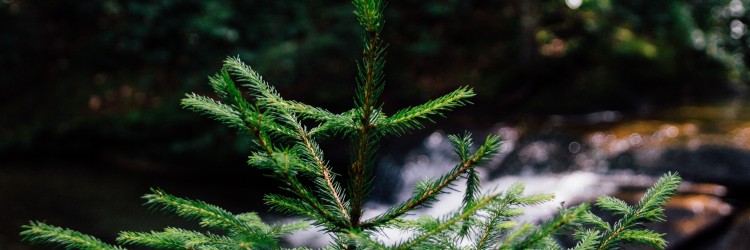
{"type": "Point", "coordinates": [581, 157]}
{"type": "Point", "coordinates": [571, 184]}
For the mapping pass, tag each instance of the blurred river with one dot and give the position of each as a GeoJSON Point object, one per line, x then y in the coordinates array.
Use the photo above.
{"type": "Point", "coordinates": [581, 157]}
{"type": "Point", "coordinates": [576, 157]}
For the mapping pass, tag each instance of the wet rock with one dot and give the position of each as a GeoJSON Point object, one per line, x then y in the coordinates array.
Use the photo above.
{"type": "Point", "coordinates": [624, 165]}
{"type": "Point", "coordinates": [726, 165]}
{"type": "Point", "coordinates": [711, 163]}
{"type": "Point", "coordinates": [696, 211]}
{"type": "Point", "coordinates": [736, 238]}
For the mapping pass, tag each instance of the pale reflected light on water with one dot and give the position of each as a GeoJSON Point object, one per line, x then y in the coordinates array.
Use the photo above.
{"type": "Point", "coordinates": [592, 148]}
{"type": "Point", "coordinates": [436, 158]}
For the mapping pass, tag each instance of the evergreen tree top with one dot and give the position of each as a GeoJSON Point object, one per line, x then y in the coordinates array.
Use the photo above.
{"type": "Point", "coordinates": [285, 137]}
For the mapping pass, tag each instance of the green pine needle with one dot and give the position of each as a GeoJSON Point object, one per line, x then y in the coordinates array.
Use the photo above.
{"type": "Point", "coordinates": [369, 14]}
{"type": "Point", "coordinates": [426, 192]}
{"type": "Point", "coordinates": [285, 138]}
{"type": "Point", "coordinates": [175, 238]}
{"type": "Point", "coordinates": [516, 236]}
{"type": "Point", "coordinates": [647, 237]}
{"type": "Point", "coordinates": [214, 109]}
{"type": "Point", "coordinates": [473, 186]}
{"type": "Point", "coordinates": [649, 209]}
{"type": "Point", "coordinates": [438, 227]}
{"type": "Point", "coordinates": [40, 233]}
{"type": "Point", "coordinates": [614, 205]}
{"type": "Point", "coordinates": [461, 145]}
{"type": "Point", "coordinates": [566, 218]}
{"type": "Point", "coordinates": [587, 240]}
{"type": "Point", "coordinates": [410, 118]}
{"type": "Point", "coordinates": [209, 215]}
{"type": "Point", "coordinates": [598, 223]}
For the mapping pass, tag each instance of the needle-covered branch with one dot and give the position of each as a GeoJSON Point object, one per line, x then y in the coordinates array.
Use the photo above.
{"type": "Point", "coordinates": [332, 219]}
{"type": "Point", "coordinates": [370, 84]}
{"type": "Point", "coordinates": [210, 216]}
{"type": "Point", "coordinates": [267, 97]}
{"type": "Point", "coordinates": [649, 209]}
{"type": "Point", "coordinates": [370, 14]}
{"type": "Point", "coordinates": [566, 218]}
{"type": "Point", "coordinates": [411, 118]}
{"type": "Point", "coordinates": [249, 122]}
{"type": "Point", "coordinates": [176, 238]}
{"type": "Point", "coordinates": [485, 221]}
{"type": "Point", "coordinates": [40, 233]}
{"type": "Point", "coordinates": [325, 178]}
{"type": "Point", "coordinates": [426, 191]}
{"type": "Point", "coordinates": [441, 226]}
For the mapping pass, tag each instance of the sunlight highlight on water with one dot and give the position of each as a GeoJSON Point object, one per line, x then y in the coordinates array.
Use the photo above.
{"type": "Point", "coordinates": [436, 157]}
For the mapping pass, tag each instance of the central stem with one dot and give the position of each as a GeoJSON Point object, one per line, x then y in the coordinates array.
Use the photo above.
{"type": "Point", "coordinates": [370, 84]}
{"type": "Point", "coordinates": [360, 164]}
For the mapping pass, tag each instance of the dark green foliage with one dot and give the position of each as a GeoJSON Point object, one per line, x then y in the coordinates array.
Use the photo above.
{"type": "Point", "coordinates": [38, 232]}
{"type": "Point", "coordinates": [630, 228]}
{"type": "Point", "coordinates": [80, 52]}
{"type": "Point", "coordinates": [288, 151]}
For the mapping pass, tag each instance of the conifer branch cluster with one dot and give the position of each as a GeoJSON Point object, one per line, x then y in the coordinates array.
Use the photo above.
{"type": "Point", "coordinates": [285, 136]}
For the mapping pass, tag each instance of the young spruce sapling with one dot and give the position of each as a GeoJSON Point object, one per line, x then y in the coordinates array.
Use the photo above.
{"type": "Point", "coordinates": [288, 150]}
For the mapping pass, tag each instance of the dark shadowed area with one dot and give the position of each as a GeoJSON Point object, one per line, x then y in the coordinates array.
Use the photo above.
{"type": "Point", "coordinates": [90, 90]}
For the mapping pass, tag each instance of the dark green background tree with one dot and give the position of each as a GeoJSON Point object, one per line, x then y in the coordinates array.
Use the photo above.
{"type": "Point", "coordinates": [79, 75]}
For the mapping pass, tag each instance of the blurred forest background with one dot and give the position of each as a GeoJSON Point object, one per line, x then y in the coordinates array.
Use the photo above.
{"type": "Point", "coordinates": [105, 77]}
{"type": "Point", "coordinates": [98, 83]}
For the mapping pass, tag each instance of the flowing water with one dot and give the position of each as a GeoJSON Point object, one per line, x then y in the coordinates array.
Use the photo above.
{"type": "Point", "coordinates": [575, 157]}
{"type": "Point", "coordinates": [581, 157]}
